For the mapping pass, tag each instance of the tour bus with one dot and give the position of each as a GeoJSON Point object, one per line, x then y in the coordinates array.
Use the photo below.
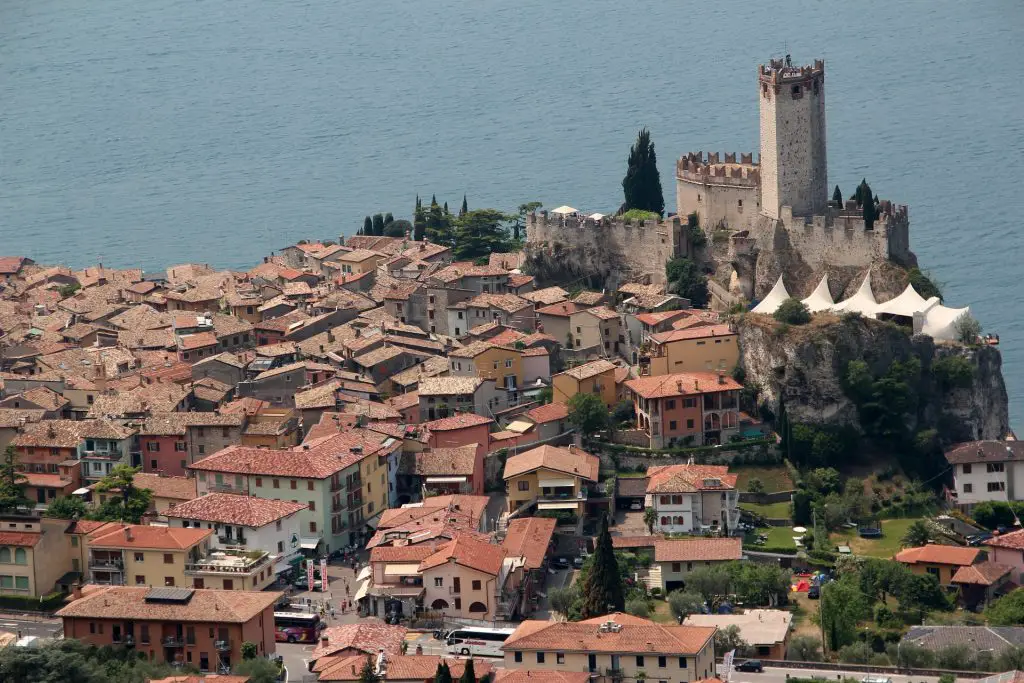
{"type": "Point", "coordinates": [477, 640]}
{"type": "Point", "coordinates": [296, 627]}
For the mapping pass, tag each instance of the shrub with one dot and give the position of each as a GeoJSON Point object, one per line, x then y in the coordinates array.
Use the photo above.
{"type": "Point", "coordinates": [953, 372]}
{"type": "Point", "coordinates": [638, 608]}
{"type": "Point", "coordinates": [46, 603]}
{"type": "Point", "coordinates": [805, 649]}
{"type": "Point", "coordinates": [755, 485]}
{"type": "Point", "coordinates": [793, 312]}
{"type": "Point", "coordinates": [968, 330]}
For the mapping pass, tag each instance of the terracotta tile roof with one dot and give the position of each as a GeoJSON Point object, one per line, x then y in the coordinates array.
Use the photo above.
{"type": "Point", "coordinates": [398, 668]}
{"type": "Point", "coordinates": [68, 433]}
{"type": "Point", "coordinates": [548, 413]}
{"type": "Point", "coordinates": [621, 374]}
{"type": "Point", "coordinates": [229, 508]}
{"type": "Point", "coordinates": [403, 401]}
{"type": "Point", "coordinates": [401, 553]}
{"type": "Point", "coordinates": [985, 451]}
{"type": "Point", "coordinates": [698, 549]}
{"type": "Point", "coordinates": [321, 396]}
{"type": "Point", "coordinates": [575, 462]}
{"type": "Point", "coordinates": [457, 421]}
{"type": "Point", "coordinates": [246, 405]}
{"type": "Point", "coordinates": [312, 460]}
{"type": "Point", "coordinates": [630, 542]}
{"type": "Point", "coordinates": [539, 676]}
{"type": "Point", "coordinates": [529, 537]}
{"type": "Point", "coordinates": [205, 605]}
{"type": "Point", "coordinates": [467, 552]}
{"type": "Point", "coordinates": [24, 539]}
{"type": "Point", "coordinates": [149, 537]}
{"type": "Point", "coordinates": [696, 318]}
{"type": "Point", "coordinates": [702, 332]}
{"type": "Point", "coordinates": [681, 383]}
{"type": "Point", "coordinates": [45, 398]}
{"type": "Point", "coordinates": [449, 386]}
{"type": "Point", "coordinates": [635, 288]}
{"type": "Point", "coordinates": [379, 355]}
{"type": "Point", "coordinates": [202, 678]}
{"type": "Point", "coordinates": [934, 553]}
{"type": "Point", "coordinates": [437, 516]}
{"type": "Point", "coordinates": [531, 353]}
{"type": "Point", "coordinates": [982, 574]}
{"type": "Point", "coordinates": [12, 417]}
{"type": "Point", "coordinates": [457, 461]}
{"type": "Point", "coordinates": [519, 279]}
{"type": "Point", "coordinates": [602, 313]}
{"type": "Point", "coordinates": [510, 303]}
{"type": "Point", "coordinates": [689, 478]}
{"type": "Point", "coordinates": [591, 369]}
{"type": "Point", "coordinates": [177, 488]}
{"type": "Point", "coordinates": [659, 317]}
{"type": "Point", "coordinates": [507, 337]}
{"type": "Point", "coordinates": [199, 340]}
{"type": "Point", "coordinates": [52, 481]}
{"type": "Point", "coordinates": [546, 296]}
{"type": "Point", "coordinates": [366, 637]}
{"type": "Point", "coordinates": [473, 349]}
{"type": "Point", "coordinates": [10, 265]}
{"type": "Point", "coordinates": [561, 310]}
{"type": "Point", "coordinates": [160, 398]}
{"type": "Point", "coordinates": [632, 637]}
{"type": "Point", "coordinates": [1013, 540]}
{"type": "Point", "coordinates": [431, 367]}
{"type": "Point", "coordinates": [371, 409]}
{"type": "Point", "coordinates": [167, 424]}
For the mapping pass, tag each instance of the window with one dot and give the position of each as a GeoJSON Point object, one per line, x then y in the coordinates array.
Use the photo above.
{"type": "Point", "coordinates": [168, 558]}
{"type": "Point", "coordinates": [294, 484]}
{"type": "Point", "coordinates": [967, 468]}
{"type": "Point", "coordinates": [996, 486]}
{"type": "Point", "coordinates": [994, 467]}
{"type": "Point", "coordinates": [312, 506]}
{"type": "Point", "coordinates": [458, 603]}
{"type": "Point", "coordinates": [21, 583]}
{"type": "Point", "coordinates": [153, 446]}
{"type": "Point", "coordinates": [143, 633]}
{"type": "Point", "coordinates": [676, 567]}
{"type": "Point", "coordinates": [309, 485]}
{"type": "Point", "coordinates": [168, 581]}
{"type": "Point", "coordinates": [689, 403]}
{"type": "Point", "coordinates": [524, 485]}
{"type": "Point", "coordinates": [476, 585]}
{"type": "Point", "coordinates": [540, 657]}
{"type": "Point", "coordinates": [202, 449]}
{"type": "Point", "coordinates": [670, 404]}
{"type": "Point", "coordinates": [277, 525]}
{"type": "Point", "coordinates": [204, 661]}
{"type": "Point", "coordinates": [280, 546]}
{"type": "Point", "coordinates": [140, 580]}
{"type": "Point", "coordinates": [277, 483]}
{"type": "Point", "coordinates": [312, 527]}
{"type": "Point", "coordinates": [592, 662]}
{"type": "Point", "coordinates": [259, 481]}
{"type": "Point", "coordinates": [92, 627]}
{"type": "Point", "coordinates": [438, 582]}
{"type": "Point", "coordinates": [508, 362]}
{"type": "Point", "coordinates": [559, 658]}
{"type": "Point", "coordinates": [682, 662]}
{"type": "Point", "coordinates": [140, 557]}
{"type": "Point", "coordinates": [74, 541]}
{"type": "Point", "coordinates": [639, 660]}
{"type": "Point", "coordinates": [672, 425]}
{"type": "Point", "coordinates": [662, 662]}
{"type": "Point", "coordinates": [518, 656]}
{"type": "Point", "coordinates": [968, 488]}
{"type": "Point", "coordinates": [664, 500]}
{"type": "Point", "coordinates": [677, 500]}
{"type": "Point", "coordinates": [689, 424]}
{"type": "Point", "coordinates": [20, 556]}
{"type": "Point", "coordinates": [179, 446]}
{"type": "Point", "coordinates": [229, 584]}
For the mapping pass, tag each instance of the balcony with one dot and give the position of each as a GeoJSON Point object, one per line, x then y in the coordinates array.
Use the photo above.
{"type": "Point", "coordinates": [337, 486]}
{"type": "Point", "coordinates": [102, 455]}
{"type": "Point", "coordinates": [222, 645]}
{"type": "Point", "coordinates": [560, 494]}
{"type": "Point", "coordinates": [173, 641]}
{"type": "Point", "coordinates": [106, 565]}
{"type": "Point", "coordinates": [337, 506]}
{"type": "Point", "coordinates": [355, 504]}
{"type": "Point", "coordinates": [226, 488]}
{"type": "Point", "coordinates": [227, 561]}
{"type": "Point", "coordinates": [231, 540]}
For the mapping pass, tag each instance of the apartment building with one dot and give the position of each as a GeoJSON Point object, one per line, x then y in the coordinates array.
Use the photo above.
{"type": "Point", "coordinates": [596, 377]}
{"type": "Point", "coordinates": [170, 442]}
{"type": "Point", "coordinates": [699, 408]}
{"type": "Point", "coordinates": [710, 348]}
{"type": "Point", "coordinates": [553, 478]}
{"type": "Point", "coordinates": [693, 498]}
{"type": "Point", "coordinates": [986, 471]}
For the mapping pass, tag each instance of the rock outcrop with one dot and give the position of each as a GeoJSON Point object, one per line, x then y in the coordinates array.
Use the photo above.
{"type": "Point", "coordinates": [803, 367]}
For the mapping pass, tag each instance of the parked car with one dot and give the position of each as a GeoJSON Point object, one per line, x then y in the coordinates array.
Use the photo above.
{"type": "Point", "coordinates": [577, 562]}
{"type": "Point", "coordinates": [560, 563]}
{"type": "Point", "coordinates": [303, 585]}
{"type": "Point", "coordinates": [636, 505]}
{"type": "Point", "coordinates": [876, 679]}
{"type": "Point", "coordinates": [752, 665]}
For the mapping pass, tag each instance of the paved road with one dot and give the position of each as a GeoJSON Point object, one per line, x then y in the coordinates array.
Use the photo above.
{"type": "Point", "coordinates": [778, 675]}
{"type": "Point", "coordinates": [46, 628]}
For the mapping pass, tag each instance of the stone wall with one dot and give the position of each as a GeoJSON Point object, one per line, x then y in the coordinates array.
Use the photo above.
{"type": "Point", "coordinates": [722, 194]}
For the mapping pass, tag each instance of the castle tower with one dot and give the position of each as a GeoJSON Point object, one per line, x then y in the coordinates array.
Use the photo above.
{"type": "Point", "coordinates": [793, 168]}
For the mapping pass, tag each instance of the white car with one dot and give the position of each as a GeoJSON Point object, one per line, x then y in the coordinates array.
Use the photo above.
{"type": "Point", "coordinates": [636, 505]}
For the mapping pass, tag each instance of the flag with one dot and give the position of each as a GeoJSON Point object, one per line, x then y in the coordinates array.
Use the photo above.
{"type": "Point", "coordinates": [309, 575]}
{"type": "Point", "coordinates": [323, 574]}
{"type": "Point", "coordinates": [727, 665]}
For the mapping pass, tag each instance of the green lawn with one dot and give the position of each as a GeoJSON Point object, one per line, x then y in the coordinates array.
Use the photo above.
{"type": "Point", "coordinates": [773, 510]}
{"type": "Point", "coordinates": [778, 536]}
{"type": "Point", "coordinates": [893, 531]}
{"type": "Point", "coordinates": [774, 477]}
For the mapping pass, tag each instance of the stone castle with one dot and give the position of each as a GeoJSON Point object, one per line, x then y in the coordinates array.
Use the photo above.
{"type": "Point", "coordinates": [762, 218]}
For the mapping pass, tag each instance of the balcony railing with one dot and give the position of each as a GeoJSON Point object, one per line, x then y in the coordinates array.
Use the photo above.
{"type": "Point", "coordinates": [231, 540]}
{"type": "Point", "coordinates": [222, 562]}
{"type": "Point", "coordinates": [337, 486]}
{"type": "Point", "coordinates": [337, 506]}
{"type": "Point", "coordinates": [102, 455]}
{"type": "Point", "coordinates": [173, 641]}
{"type": "Point", "coordinates": [563, 495]}
{"type": "Point", "coordinates": [222, 645]}
{"type": "Point", "coordinates": [107, 565]}
{"type": "Point", "coordinates": [226, 488]}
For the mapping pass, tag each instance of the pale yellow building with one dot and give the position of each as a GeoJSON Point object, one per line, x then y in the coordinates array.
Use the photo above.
{"type": "Point", "coordinates": [466, 578]}
{"type": "Point", "coordinates": [596, 330]}
{"type": "Point", "coordinates": [31, 555]}
{"type": "Point", "coordinates": [359, 261]}
{"type": "Point", "coordinates": [696, 349]}
{"type": "Point", "coordinates": [616, 647]}
{"type": "Point", "coordinates": [503, 364]}
{"type": "Point", "coordinates": [553, 478]}
{"type": "Point", "coordinates": [595, 377]}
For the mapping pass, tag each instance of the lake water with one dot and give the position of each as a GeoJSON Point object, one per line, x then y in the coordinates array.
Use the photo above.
{"type": "Point", "coordinates": [149, 133]}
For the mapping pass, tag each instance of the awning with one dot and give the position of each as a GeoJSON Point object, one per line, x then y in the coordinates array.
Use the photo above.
{"type": "Point", "coordinates": [401, 569]}
{"type": "Point", "coordinates": [361, 591]}
{"type": "Point", "coordinates": [364, 573]}
{"type": "Point", "coordinates": [373, 522]}
{"type": "Point", "coordinates": [309, 543]}
{"type": "Point", "coordinates": [446, 480]}
{"type": "Point", "coordinates": [556, 482]}
{"type": "Point", "coordinates": [68, 578]}
{"type": "Point", "coordinates": [519, 426]}
{"type": "Point", "coordinates": [282, 567]}
{"type": "Point", "coordinates": [556, 506]}
{"type": "Point", "coordinates": [80, 492]}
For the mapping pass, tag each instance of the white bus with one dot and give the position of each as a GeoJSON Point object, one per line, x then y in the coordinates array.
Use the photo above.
{"type": "Point", "coordinates": [477, 640]}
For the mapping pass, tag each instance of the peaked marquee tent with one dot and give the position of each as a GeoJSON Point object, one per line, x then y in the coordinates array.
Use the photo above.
{"type": "Point", "coordinates": [821, 298]}
{"type": "Point", "coordinates": [773, 300]}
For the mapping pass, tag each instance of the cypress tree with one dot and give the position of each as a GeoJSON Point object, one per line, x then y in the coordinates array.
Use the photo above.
{"type": "Point", "coordinates": [388, 218]}
{"type": "Point", "coordinates": [870, 210]}
{"type": "Point", "coordinates": [468, 675]}
{"type": "Point", "coordinates": [446, 209]}
{"type": "Point", "coordinates": [602, 590]}
{"type": "Point", "coordinates": [465, 207]}
{"type": "Point", "coordinates": [419, 224]}
{"type": "Point", "coordinates": [368, 674]}
{"type": "Point", "coordinates": [367, 226]}
{"type": "Point", "coordinates": [378, 224]}
{"type": "Point", "coordinates": [443, 673]}
{"type": "Point", "coordinates": [642, 184]}
{"type": "Point", "coordinates": [837, 197]}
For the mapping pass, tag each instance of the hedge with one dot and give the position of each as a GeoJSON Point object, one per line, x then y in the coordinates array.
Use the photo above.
{"type": "Point", "coordinates": [734, 446]}
{"type": "Point", "coordinates": [779, 550]}
{"type": "Point", "coordinates": [28, 603]}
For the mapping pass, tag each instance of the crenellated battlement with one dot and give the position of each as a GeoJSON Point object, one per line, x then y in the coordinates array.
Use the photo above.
{"type": "Point", "coordinates": [700, 168]}
{"type": "Point", "coordinates": [780, 72]}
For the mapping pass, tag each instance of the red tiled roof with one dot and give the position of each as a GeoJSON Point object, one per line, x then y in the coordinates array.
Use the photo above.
{"type": "Point", "coordinates": [562, 310]}
{"type": "Point", "coordinates": [575, 462]}
{"type": "Point", "coordinates": [459, 421]}
{"type": "Point", "coordinates": [985, 451]}
{"type": "Point", "coordinates": [653, 319]}
{"type": "Point", "coordinates": [129, 603]}
{"type": "Point", "coordinates": [934, 553]}
{"type": "Point", "coordinates": [548, 413]}
{"type": "Point", "coordinates": [155, 537]}
{"type": "Point", "coordinates": [698, 549]}
{"type": "Point", "coordinates": [678, 384]}
{"type": "Point", "coordinates": [982, 574]}
{"type": "Point", "coordinates": [468, 552]}
{"type": "Point", "coordinates": [1013, 540]}
{"type": "Point", "coordinates": [693, 333]}
{"type": "Point", "coordinates": [633, 637]}
{"type": "Point", "coordinates": [230, 508]}
{"type": "Point", "coordinates": [689, 478]}
{"type": "Point", "coordinates": [198, 341]}
{"type": "Point", "coordinates": [313, 460]}
{"type": "Point", "coordinates": [366, 637]}
{"type": "Point", "coordinates": [20, 538]}
{"type": "Point", "coordinates": [401, 553]}
{"type": "Point", "coordinates": [529, 537]}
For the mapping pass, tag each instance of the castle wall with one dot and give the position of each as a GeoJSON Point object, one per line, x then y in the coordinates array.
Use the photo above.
{"type": "Point", "coordinates": [794, 169]}
{"type": "Point", "coordinates": [637, 250]}
{"type": "Point", "coordinates": [723, 195]}
{"type": "Point", "coordinates": [840, 239]}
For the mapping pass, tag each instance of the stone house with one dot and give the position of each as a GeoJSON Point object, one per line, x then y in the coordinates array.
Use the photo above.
{"type": "Point", "coordinates": [170, 442]}
{"type": "Point", "coordinates": [596, 377]}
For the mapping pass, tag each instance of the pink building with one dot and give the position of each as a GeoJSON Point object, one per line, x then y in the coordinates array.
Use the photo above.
{"type": "Point", "coordinates": [1008, 549]}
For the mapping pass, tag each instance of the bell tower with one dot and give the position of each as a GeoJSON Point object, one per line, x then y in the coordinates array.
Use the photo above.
{"type": "Point", "coordinates": [794, 171]}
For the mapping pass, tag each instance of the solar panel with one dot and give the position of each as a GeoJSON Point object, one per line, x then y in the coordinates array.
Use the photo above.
{"type": "Point", "coordinates": [173, 595]}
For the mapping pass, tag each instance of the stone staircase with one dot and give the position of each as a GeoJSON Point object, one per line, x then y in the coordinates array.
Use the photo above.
{"type": "Point", "coordinates": [651, 577]}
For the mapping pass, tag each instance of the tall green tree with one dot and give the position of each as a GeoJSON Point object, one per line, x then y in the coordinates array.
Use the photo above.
{"type": "Point", "coordinates": [711, 583]}
{"type": "Point", "coordinates": [378, 224]}
{"type": "Point", "coordinates": [642, 184]}
{"type": "Point", "coordinates": [130, 505]}
{"type": "Point", "coordinates": [588, 413]}
{"type": "Point", "coordinates": [66, 507]}
{"type": "Point", "coordinates": [438, 227]}
{"type": "Point", "coordinates": [388, 218]}
{"type": "Point", "coordinates": [12, 482]}
{"type": "Point", "coordinates": [842, 605]}
{"type": "Point", "coordinates": [443, 673]}
{"type": "Point", "coordinates": [468, 674]}
{"type": "Point", "coordinates": [367, 228]}
{"type": "Point", "coordinates": [419, 224]}
{"type": "Point", "coordinates": [368, 673]}
{"type": "Point", "coordinates": [464, 209]}
{"type": "Point", "coordinates": [602, 589]}
{"type": "Point", "coordinates": [480, 232]}
{"type": "Point", "coordinates": [519, 224]}
{"type": "Point", "coordinates": [837, 196]}
{"type": "Point", "coordinates": [686, 280]}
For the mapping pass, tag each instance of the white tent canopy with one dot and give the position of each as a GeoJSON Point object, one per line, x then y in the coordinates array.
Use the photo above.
{"type": "Point", "coordinates": [906, 304]}
{"type": "Point", "coordinates": [821, 298]}
{"type": "Point", "coordinates": [597, 216]}
{"type": "Point", "coordinates": [564, 210]}
{"type": "Point", "coordinates": [939, 322]}
{"type": "Point", "coordinates": [863, 301]}
{"type": "Point", "coordinates": [773, 300]}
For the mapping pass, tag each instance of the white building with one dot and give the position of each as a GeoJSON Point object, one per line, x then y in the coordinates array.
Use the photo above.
{"type": "Point", "coordinates": [987, 471]}
{"type": "Point", "coordinates": [693, 498]}
{"type": "Point", "coordinates": [247, 522]}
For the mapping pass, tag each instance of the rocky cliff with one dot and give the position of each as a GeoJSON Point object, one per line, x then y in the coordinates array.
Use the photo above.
{"type": "Point", "coordinates": [803, 367]}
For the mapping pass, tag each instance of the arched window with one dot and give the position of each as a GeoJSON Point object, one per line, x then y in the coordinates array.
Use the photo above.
{"type": "Point", "coordinates": [678, 520]}
{"type": "Point", "coordinates": [478, 607]}
{"type": "Point", "coordinates": [439, 604]}
{"type": "Point", "coordinates": [5, 555]}
{"type": "Point", "coordinates": [665, 521]}
{"type": "Point", "coordinates": [20, 556]}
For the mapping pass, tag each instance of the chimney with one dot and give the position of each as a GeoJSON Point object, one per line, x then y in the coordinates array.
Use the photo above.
{"type": "Point", "coordinates": [128, 533]}
{"type": "Point", "coordinates": [679, 385]}
{"type": "Point", "coordinates": [76, 590]}
{"type": "Point", "coordinates": [721, 377]}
